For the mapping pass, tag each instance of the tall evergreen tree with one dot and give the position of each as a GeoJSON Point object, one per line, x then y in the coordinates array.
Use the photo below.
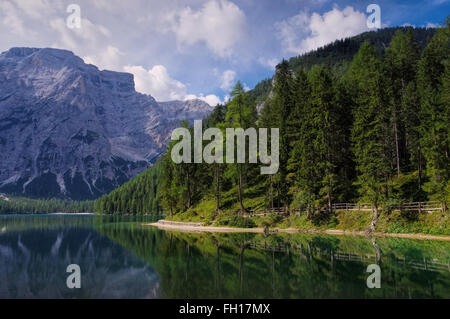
{"type": "Point", "coordinates": [432, 84]}
{"type": "Point", "coordinates": [282, 106]}
{"type": "Point", "coordinates": [400, 70]}
{"type": "Point", "coordinates": [240, 114]}
{"type": "Point", "coordinates": [302, 105]}
{"type": "Point", "coordinates": [370, 132]}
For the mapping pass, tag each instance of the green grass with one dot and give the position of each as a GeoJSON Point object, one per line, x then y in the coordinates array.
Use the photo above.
{"type": "Point", "coordinates": [435, 223]}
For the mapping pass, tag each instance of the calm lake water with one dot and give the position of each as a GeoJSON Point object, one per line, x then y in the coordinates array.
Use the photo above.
{"type": "Point", "coordinates": [120, 258]}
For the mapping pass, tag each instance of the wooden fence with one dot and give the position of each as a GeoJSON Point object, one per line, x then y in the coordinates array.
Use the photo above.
{"type": "Point", "coordinates": [413, 206]}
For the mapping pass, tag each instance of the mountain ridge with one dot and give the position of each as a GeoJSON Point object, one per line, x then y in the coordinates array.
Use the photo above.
{"type": "Point", "coordinates": [69, 130]}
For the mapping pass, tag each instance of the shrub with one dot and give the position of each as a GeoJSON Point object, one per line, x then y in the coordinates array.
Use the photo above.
{"type": "Point", "coordinates": [236, 221]}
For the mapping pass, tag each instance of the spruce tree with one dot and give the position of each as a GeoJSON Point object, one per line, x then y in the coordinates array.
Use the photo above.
{"type": "Point", "coordinates": [400, 70]}
{"type": "Point", "coordinates": [432, 84]}
{"type": "Point", "coordinates": [282, 106]}
{"type": "Point", "coordinates": [241, 114]}
{"type": "Point", "coordinates": [370, 132]}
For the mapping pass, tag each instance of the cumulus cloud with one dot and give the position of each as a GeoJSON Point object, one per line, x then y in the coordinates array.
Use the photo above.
{"type": "Point", "coordinates": [158, 83]}
{"type": "Point", "coordinates": [220, 24]}
{"type": "Point", "coordinates": [227, 80]}
{"type": "Point", "coordinates": [38, 9]}
{"type": "Point", "coordinates": [211, 99]}
{"type": "Point", "coordinates": [433, 25]}
{"type": "Point", "coordinates": [108, 59]}
{"type": "Point", "coordinates": [90, 36]}
{"type": "Point", "coordinates": [11, 19]}
{"type": "Point", "coordinates": [269, 63]}
{"type": "Point", "coordinates": [302, 33]}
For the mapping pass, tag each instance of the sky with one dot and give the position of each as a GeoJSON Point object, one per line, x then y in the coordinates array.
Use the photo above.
{"type": "Point", "coordinates": [180, 50]}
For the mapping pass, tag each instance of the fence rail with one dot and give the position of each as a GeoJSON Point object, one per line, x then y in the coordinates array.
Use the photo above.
{"type": "Point", "coordinates": [412, 206]}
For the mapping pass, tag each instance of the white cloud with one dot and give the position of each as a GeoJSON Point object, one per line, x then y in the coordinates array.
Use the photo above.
{"type": "Point", "coordinates": [11, 19]}
{"type": "Point", "coordinates": [291, 29]}
{"type": "Point", "coordinates": [220, 24]}
{"type": "Point", "coordinates": [157, 82]}
{"type": "Point", "coordinates": [38, 9]}
{"type": "Point", "coordinates": [227, 80]}
{"type": "Point", "coordinates": [211, 99]}
{"type": "Point", "coordinates": [302, 33]}
{"type": "Point", "coordinates": [90, 36]}
{"type": "Point", "coordinates": [108, 59]}
{"type": "Point", "coordinates": [269, 63]}
{"type": "Point", "coordinates": [433, 25]}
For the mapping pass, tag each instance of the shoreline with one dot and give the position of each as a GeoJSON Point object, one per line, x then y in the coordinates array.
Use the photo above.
{"type": "Point", "coordinates": [43, 214]}
{"type": "Point", "coordinates": [196, 228]}
{"type": "Point", "coordinates": [70, 214]}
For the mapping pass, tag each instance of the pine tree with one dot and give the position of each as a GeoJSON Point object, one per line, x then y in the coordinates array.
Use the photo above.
{"type": "Point", "coordinates": [282, 106]}
{"type": "Point", "coordinates": [400, 70]}
{"type": "Point", "coordinates": [371, 127]}
{"type": "Point", "coordinates": [217, 119]}
{"type": "Point", "coordinates": [170, 196]}
{"type": "Point", "coordinates": [302, 101]}
{"type": "Point", "coordinates": [432, 84]}
{"type": "Point", "coordinates": [240, 114]}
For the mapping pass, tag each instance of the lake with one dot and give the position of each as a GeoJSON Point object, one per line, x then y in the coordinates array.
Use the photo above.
{"type": "Point", "coordinates": [120, 258]}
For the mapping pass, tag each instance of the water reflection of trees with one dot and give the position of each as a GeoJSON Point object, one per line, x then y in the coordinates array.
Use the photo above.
{"type": "Point", "coordinates": [287, 266]}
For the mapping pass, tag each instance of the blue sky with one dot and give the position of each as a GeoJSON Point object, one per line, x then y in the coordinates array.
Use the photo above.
{"type": "Point", "coordinates": [199, 48]}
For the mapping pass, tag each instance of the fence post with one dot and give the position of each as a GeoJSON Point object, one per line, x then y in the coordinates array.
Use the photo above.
{"type": "Point", "coordinates": [420, 207]}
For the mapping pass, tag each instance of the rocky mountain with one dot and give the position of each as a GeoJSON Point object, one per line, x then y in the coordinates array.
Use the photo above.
{"type": "Point", "coordinates": [69, 130]}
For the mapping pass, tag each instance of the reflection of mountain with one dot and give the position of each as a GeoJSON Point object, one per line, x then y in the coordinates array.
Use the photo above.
{"type": "Point", "coordinates": [288, 266]}
{"type": "Point", "coordinates": [33, 265]}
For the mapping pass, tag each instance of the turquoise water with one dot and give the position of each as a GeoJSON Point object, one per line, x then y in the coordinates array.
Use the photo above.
{"type": "Point", "coordinates": [121, 258]}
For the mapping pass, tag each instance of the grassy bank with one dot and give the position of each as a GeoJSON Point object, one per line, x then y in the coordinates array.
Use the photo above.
{"type": "Point", "coordinates": [434, 223]}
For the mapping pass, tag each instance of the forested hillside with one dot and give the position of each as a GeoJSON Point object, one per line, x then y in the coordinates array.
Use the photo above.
{"type": "Point", "coordinates": [339, 54]}
{"type": "Point", "coordinates": [141, 195]}
{"type": "Point", "coordinates": [20, 205]}
{"type": "Point", "coordinates": [375, 131]}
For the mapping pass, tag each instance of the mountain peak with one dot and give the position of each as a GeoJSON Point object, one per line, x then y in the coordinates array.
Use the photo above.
{"type": "Point", "coordinates": [69, 130]}
{"type": "Point", "coordinates": [46, 54]}
{"type": "Point", "coordinates": [19, 52]}
{"type": "Point", "coordinates": [58, 69]}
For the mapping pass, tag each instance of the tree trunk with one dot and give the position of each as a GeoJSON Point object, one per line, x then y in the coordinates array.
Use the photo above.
{"type": "Point", "coordinates": [329, 199]}
{"type": "Point", "coordinates": [188, 190]}
{"type": "Point", "coordinates": [375, 217]}
{"type": "Point", "coordinates": [240, 193]}
{"type": "Point", "coordinates": [329, 203]}
{"type": "Point", "coordinates": [217, 189]}
{"type": "Point", "coordinates": [420, 166]}
{"type": "Point", "coordinates": [397, 149]}
{"type": "Point", "coordinates": [271, 190]}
